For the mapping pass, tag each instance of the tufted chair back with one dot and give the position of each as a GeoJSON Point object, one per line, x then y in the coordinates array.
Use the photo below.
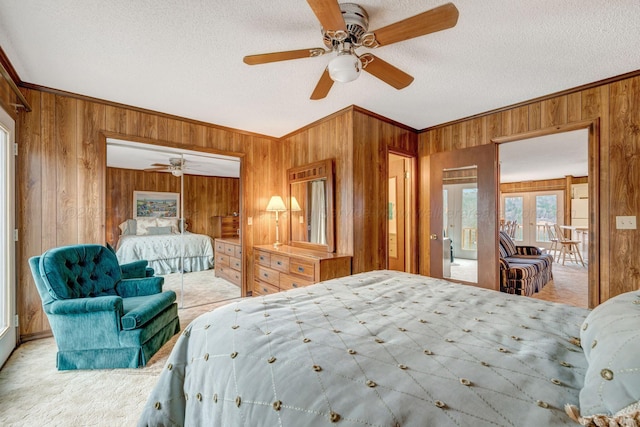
{"type": "Point", "coordinates": [80, 271]}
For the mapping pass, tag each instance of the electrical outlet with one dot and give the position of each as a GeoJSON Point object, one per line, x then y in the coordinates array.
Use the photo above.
{"type": "Point", "coordinates": [250, 220]}
{"type": "Point", "coordinates": [625, 223]}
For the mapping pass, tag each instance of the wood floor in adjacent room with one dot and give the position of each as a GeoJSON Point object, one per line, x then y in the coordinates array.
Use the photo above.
{"type": "Point", "coordinates": [570, 285]}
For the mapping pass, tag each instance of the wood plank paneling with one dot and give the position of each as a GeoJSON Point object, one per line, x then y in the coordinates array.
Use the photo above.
{"type": "Point", "coordinates": [63, 153]}
{"type": "Point", "coordinates": [614, 107]}
{"type": "Point", "coordinates": [624, 158]}
{"type": "Point", "coordinates": [30, 222]}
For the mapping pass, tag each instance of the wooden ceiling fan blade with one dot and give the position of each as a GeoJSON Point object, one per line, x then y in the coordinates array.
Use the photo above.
{"type": "Point", "coordinates": [388, 73]}
{"type": "Point", "coordinates": [431, 21]}
{"type": "Point", "coordinates": [264, 58]}
{"type": "Point", "coordinates": [164, 168]}
{"type": "Point", "coordinates": [160, 164]}
{"type": "Point", "coordinates": [329, 14]}
{"type": "Point", "coordinates": [323, 87]}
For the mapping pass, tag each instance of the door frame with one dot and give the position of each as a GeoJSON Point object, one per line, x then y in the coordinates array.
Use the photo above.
{"type": "Point", "coordinates": [595, 222]}
{"type": "Point", "coordinates": [411, 229]}
{"type": "Point", "coordinates": [486, 158]}
{"type": "Point", "coordinates": [9, 336]}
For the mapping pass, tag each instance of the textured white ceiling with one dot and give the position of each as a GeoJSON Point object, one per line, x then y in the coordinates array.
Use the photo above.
{"type": "Point", "coordinates": [135, 155]}
{"type": "Point", "coordinates": [185, 57]}
{"type": "Point", "coordinates": [546, 157]}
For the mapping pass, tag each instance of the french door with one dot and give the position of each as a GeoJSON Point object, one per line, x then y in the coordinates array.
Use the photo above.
{"type": "Point", "coordinates": [532, 211]}
{"type": "Point", "coordinates": [7, 243]}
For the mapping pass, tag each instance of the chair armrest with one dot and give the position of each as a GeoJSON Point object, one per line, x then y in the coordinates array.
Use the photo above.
{"type": "Point", "coordinates": [528, 250]}
{"type": "Point", "coordinates": [86, 305]}
{"type": "Point", "coordinates": [504, 264]}
{"type": "Point", "coordinates": [127, 288]}
{"type": "Point", "coordinates": [135, 269]}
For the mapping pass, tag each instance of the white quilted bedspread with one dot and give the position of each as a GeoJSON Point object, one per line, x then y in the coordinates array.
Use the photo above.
{"type": "Point", "coordinates": [374, 349]}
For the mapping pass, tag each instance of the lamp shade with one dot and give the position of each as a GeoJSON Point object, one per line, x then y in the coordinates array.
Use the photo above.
{"type": "Point", "coordinates": [345, 67]}
{"type": "Point", "coordinates": [276, 204]}
{"type": "Point", "coordinates": [295, 206]}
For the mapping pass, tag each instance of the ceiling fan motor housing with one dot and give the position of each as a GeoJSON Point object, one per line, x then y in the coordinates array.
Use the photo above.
{"type": "Point", "coordinates": [357, 22]}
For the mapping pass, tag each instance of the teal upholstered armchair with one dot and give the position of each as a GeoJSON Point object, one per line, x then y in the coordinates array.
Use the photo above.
{"type": "Point", "coordinates": [100, 320]}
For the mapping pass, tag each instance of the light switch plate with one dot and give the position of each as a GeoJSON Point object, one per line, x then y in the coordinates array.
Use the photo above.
{"type": "Point", "coordinates": [626, 223]}
{"type": "Point", "coordinates": [250, 220]}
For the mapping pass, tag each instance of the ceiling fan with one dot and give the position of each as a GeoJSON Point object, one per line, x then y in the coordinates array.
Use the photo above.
{"type": "Point", "coordinates": [176, 166]}
{"type": "Point", "coordinates": [345, 28]}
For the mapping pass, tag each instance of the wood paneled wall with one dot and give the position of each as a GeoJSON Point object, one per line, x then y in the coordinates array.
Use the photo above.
{"type": "Point", "coordinates": [616, 106]}
{"type": "Point", "coordinates": [61, 179]}
{"type": "Point", "coordinates": [204, 197]}
{"type": "Point", "coordinates": [359, 141]}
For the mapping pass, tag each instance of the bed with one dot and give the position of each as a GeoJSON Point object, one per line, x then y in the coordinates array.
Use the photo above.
{"type": "Point", "coordinates": [394, 349]}
{"type": "Point", "coordinates": [163, 245]}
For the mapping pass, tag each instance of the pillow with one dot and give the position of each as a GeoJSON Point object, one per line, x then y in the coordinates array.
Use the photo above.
{"type": "Point", "coordinates": [128, 228]}
{"type": "Point", "coordinates": [507, 247]}
{"type": "Point", "coordinates": [142, 224]}
{"type": "Point", "coordinates": [153, 231]}
{"type": "Point", "coordinates": [169, 222]}
{"type": "Point", "coordinates": [610, 338]}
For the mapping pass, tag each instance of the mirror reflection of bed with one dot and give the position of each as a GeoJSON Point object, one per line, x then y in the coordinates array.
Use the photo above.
{"type": "Point", "coordinates": [152, 191]}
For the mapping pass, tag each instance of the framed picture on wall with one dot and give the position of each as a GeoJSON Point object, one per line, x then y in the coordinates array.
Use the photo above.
{"type": "Point", "coordinates": [155, 204]}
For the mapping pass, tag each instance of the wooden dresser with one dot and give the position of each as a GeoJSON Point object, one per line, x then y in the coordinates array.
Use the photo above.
{"type": "Point", "coordinates": [228, 259]}
{"type": "Point", "coordinates": [226, 226]}
{"type": "Point", "coordinates": [287, 267]}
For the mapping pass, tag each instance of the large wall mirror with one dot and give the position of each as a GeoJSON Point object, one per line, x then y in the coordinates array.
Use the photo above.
{"type": "Point", "coordinates": [311, 214]}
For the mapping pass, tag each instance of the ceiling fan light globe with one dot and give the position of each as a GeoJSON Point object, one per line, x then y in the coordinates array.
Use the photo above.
{"type": "Point", "coordinates": [344, 68]}
{"type": "Point", "coordinates": [176, 172]}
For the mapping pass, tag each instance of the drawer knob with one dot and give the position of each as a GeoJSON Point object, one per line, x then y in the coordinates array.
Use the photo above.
{"type": "Point", "coordinates": [294, 285]}
{"type": "Point", "coordinates": [279, 262]}
{"type": "Point", "coordinates": [265, 274]}
{"type": "Point", "coordinates": [301, 269]}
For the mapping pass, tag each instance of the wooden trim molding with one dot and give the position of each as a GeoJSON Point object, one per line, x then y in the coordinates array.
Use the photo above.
{"type": "Point", "coordinates": [140, 110]}
{"type": "Point", "coordinates": [9, 73]}
{"type": "Point", "coordinates": [539, 99]}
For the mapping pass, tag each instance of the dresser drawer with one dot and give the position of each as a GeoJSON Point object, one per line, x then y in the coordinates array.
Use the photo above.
{"type": "Point", "coordinates": [222, 259]}
{"type": "Point", "coordinates": [219, 246]}
{"type": "Point", "coordinates": [268, 275]}
{"type": "Point", "coordinates": [262, 258]}
{"type": "Point", "coordinates": [235, 277]}
{"type": "Point", "coordinates": [302, 267]}
{"type": "Point", "coordinates": [280, 263]}
{"type": "Point", "coordinates": [229, 274]}
{"type": "Point", "coordinates": [238, 251]}
{"type": "Point", "coordinates": [235, 263]}
{"type": "Point", "coordinates": [229, 249]}
{"type": "Point", "coordinates": [290, 282]}
{"type": "Point", "coordinates": [262, 288]}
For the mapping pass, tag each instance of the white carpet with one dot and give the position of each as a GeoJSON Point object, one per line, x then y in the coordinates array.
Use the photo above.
{"type": "Point", "coordinates": [34, 393]}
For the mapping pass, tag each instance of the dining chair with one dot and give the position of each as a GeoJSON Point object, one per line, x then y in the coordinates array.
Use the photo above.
{"type": "Point", "coordinates": [568, 247]}
{"type": "Point", "coordinates": [554, 249]}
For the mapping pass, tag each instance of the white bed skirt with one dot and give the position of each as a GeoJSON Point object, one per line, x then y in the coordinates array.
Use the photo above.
{"type": "Point", "coordinates": [168, 266]}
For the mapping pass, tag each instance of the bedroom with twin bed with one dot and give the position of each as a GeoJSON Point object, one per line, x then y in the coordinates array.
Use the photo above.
{"type": "Point", "coordinates": [196, 233]}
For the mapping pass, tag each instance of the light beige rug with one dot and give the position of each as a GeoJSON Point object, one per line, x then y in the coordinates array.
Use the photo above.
{"type": "Point", "coordinates": [34, 393]}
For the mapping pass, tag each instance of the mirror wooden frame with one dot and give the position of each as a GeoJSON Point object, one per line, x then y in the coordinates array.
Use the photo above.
{"type": "Point", "coordinates": [312, 172]}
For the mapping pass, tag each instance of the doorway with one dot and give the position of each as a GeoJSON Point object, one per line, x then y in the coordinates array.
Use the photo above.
{"type": "Point", "coordinates": [545, 187]}
{"type": "Point", "coordinates": [532, 213]}
{"type": "Point", "coordinates": [401, 254]}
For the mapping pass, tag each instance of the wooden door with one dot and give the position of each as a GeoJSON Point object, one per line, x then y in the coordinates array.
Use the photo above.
{"type": "Point", "coordinates": [477, 164]}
